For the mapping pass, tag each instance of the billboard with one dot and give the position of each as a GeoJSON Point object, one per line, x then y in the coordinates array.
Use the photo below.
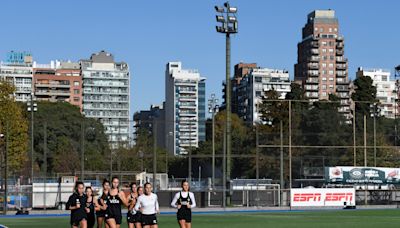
{"type": "Point", "coordinates": [321, 197]}
{"type": "Point", "coordinates": [362, 175]}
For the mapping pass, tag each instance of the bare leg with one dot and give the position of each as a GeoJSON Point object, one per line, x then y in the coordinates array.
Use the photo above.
{"type": "Point", "coordinates": [111, 223]}
{"type": "Point", "coordinates": [131, 225]}
{"type": "Point", "coordinates": [182, 223]}
{"type": "Point", "coordinates": [83, 223]}
{"type": "Point", "coordinates": [138, 225]}
{"type": "Point", "coordinates": [100, 221]}
{"type": "Point", "coordinates": [188, 225]}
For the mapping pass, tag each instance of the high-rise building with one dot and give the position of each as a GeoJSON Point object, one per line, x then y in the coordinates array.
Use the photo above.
{"type": "Point", "coordinates": [58, 81]}
{"type": "Point", "coordinates": [385, 90]}
{"type": "Point", "coordinates": [321, 66]}
{"type": "Point", "coordinates": [184, 108]}
{"type": "Point", "coordinates": [17, 69]}
{"type": "Point", "coordinates": [241, 70]}
{"type": "Point", "coordinates": [106, 95]}
{"type": "Point", "coordinates": [252, 87]}
{"type": "Point", "coordinates": [146, 121]}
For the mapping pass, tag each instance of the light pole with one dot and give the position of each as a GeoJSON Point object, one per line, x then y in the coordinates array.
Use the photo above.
{"type": "Point", "coordinates": [213, 108]}
{"type": "Point", "coordinates": [32, 107]}
{"type": "Point", "coordinates": [229, 25]}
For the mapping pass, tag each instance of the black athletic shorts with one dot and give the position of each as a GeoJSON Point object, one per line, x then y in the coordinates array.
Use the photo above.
{"type": "Point", "coordinates": [134, 218]}
{"type": "Point", "coordinates": [101, 213]}
{"type": "Point", "coordinates": [184, 214]}
{"type": "Point", "coordinates": [149, 220]}
{"type": "Point", "coordinates": [117, 218]}
{"type": "Point", "coordinates": [77, 221]}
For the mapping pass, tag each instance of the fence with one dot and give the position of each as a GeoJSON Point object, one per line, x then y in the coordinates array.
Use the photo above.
{"type": "Point", "coordinates": [289, 143]}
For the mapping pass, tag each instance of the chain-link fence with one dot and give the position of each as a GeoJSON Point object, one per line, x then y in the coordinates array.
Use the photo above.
{"type": "Point", "coordinates": [287, 144]}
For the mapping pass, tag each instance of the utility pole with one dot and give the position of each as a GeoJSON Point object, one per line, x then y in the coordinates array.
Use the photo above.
{"type": "Point", "coordinates": [32, 107]}
{"type": "Point", "coordinates": [213, 108]}
{"type": "Point", "coordinates": [281, 162]}
{"type": "Point", "coordinates": [83, 151]}
{"type": "Point", "coordinates": [155, 155]}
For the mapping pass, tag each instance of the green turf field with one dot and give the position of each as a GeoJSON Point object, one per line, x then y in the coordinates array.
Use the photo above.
{"type": "Point", "coordinates": [340, 219]}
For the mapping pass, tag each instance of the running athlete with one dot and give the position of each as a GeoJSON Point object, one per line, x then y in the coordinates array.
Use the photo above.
{"type": "Point", "coordinates": [101, 206]}
{"type": "Point", "coordinates": [184, 201]}
{"type": "Point", "coordinates": [76, 203]}
{"type": "Point", "coordinates": [90, 208]}
{"type": "Point", "coordinates": [148, 205]}
{"type": "Point", "coordinates": [115, 199]}
{"type": "Point", "coordinates": [138, 223]}
{"type": "Point", "coordinates": [132, 215]}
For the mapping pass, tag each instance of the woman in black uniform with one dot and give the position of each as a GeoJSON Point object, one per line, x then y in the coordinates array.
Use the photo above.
{"type": "Point", "coordinates": [90, 207]}
{"type": "Point", "coordinates": [115, 199]}
{"type": "Point", "coordinates": [138, 223]}
{"type": "Point", "coordinates": [132, 216]}
{"type": "Point", "coordinates": [76, 203]}
{"type": "Point", "coordinates": [184, 201]}
{"type": "Point", "coordinates": [101, 207]}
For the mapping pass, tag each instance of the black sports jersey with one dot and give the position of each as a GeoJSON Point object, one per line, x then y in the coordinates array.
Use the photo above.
{"type": "Point", "coordinates": [91, 220]}
{"type": "Point", "coordinates": [184, 201]}
{"type": "Point", "coordinates": [114, 208]}
{"type": "Point", "coordinates": [101, 212]}
{"type": "Point", "coordinates": [77, 214]}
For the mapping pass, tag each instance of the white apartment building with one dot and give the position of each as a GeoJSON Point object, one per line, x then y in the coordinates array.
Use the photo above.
{"type": "Point", "coordinates": [252, 88]}
{"type": "Point", "coordinates": [18, 70]}
{"type": "Point", "coordinates": [385, 89]}
{"type": "Point", "coordinates": [184, 108]}
{"type": "Point", "coordinates": [106, 95]}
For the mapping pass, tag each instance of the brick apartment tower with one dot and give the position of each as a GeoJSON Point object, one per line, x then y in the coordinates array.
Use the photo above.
{"type": "Point", "coordinates": [321, 66]}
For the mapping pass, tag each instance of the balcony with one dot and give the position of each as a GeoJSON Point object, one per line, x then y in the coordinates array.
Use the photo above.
{"type": "Point", "coordinates": [51, 85]}
{"type": "Point", "coordinates": [341, 66]}
{"type": "Point", "coordinates": [315, 51]}
{"type": "Point", "coordinates": [341, 73]}
{"type": "Point", "coordinates": [314, 44]}
{"type": "Point", "coordinates": [313, 73]}
{"type": "Point", "coordinates": [342, 88]}
{"type": "Point", "coordinates": [312, 94]}
{"type": "Point", "coordinates": [341, 60]}
{"type": "Point", "coordinates": [312, 81]}
{"type": "Point", "coordinates": [313, 59]}
{"type": "Point", "coordinates": [342, 81]}
{"type": "Point", "coordinates": [339, 52]}
{"type": "Point", "coordinates": [343, 95]}
{"type": "Point", "coordinates": [314, 66]}
{"type": "Point", "coordinates": [312, 87]}
{"type": "Point", "coordinates": [339, 45]}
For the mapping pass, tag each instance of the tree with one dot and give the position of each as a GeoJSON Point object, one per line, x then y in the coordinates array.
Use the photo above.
{"type": "Point", "coordinates": [364, 95]}
{"type": "Point", "coordinates": [14, 124]}
{"type": "Point", "coordinates": [66, 127]}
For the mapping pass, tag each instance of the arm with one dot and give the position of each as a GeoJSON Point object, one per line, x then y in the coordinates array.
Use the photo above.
{"type": "Point", "coordinates": [104, 207]}
{"type": "Point", "coordinates": [157, 205]}
{"type": "Point", "coordinates": [71, 201]}
{"type": "Point", "coordinates": [132, 204]}
{"type": "Point", "coordinates": [174, 200]}
{"type": "Point", "coordinates": [191, 195]}
{"type": "Point", "coordinates": [97, 206]}
{"type": "Point", "coordinates": [123, 199]}
{"type": "Point", "coordinates": [137, 205]}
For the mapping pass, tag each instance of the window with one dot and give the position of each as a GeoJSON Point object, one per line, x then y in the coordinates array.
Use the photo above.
{"type": "Point", "coordinates": [331, 72]}
{"type": "Point", "coordinates": [324, 65]}
{"type": "Point", "coordinates": [330, 86]}
{"type": "Point", "coordinates": [321, 29]}
{"type": "Point", "coordinates": [331, 57]}
{"type": "Point", "coordinates": [325, 57]}
{"type": "Point", "coordinates": [76, 83]}
{"type": "Point", "coordinates": [76, 99]}
{"type": "Point", "coordinates": [316, 29]}
{"type": "Point", "coordinates": [330, 79]}
{"type": "Point", "coordinates": [258, 93]}
{"type": "Point", "coordinates": [384, 77]}
{"type": "Point", "coordinates": [335, 29]}
{"type": "Point", "coordinates": [330, 65]}
{"type": "Point", "coordinates": [258, 79]}
{"type": "Point", "coordinates": [76, 91]}
{"type": "Point", "coordinates": [330, 29]}
{"type": "Point", "coordinates": [324, 72]}
{"type": "Point", "coordinates": [324, 50]}
{"type": "Point", "coordinates": [323, 86]}
{"type": "Point", "coordinates": [323, 79]}
{"type": "Point", "coordinates": [323, 43]}
{"type": "Point", "coordinates": [324, 94]}
{"type": "Point", "coordinates": [331, 43]}
{"type": "Point", "coordinates": [330, 50]}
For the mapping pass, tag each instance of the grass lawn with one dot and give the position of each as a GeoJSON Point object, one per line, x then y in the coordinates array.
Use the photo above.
{"type": "Point", "coordinates": [318, 219]}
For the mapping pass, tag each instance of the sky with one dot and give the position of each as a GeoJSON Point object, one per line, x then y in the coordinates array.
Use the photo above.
{"type": "Point", "coordinates": [148, 34]}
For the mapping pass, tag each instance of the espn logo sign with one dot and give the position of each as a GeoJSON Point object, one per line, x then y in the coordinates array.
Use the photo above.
{"type": "Point", "coordinates": [346, 197]}
{"type": "Point", "coordinates": [307, 197]}
{"type": "Point", "coordinates": [322, 197]}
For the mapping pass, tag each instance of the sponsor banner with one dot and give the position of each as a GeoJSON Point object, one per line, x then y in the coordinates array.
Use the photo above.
{"type": "Point", "coordinates": [362, 175]}
{"type": "Point", "coordinates": [320, 197]}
